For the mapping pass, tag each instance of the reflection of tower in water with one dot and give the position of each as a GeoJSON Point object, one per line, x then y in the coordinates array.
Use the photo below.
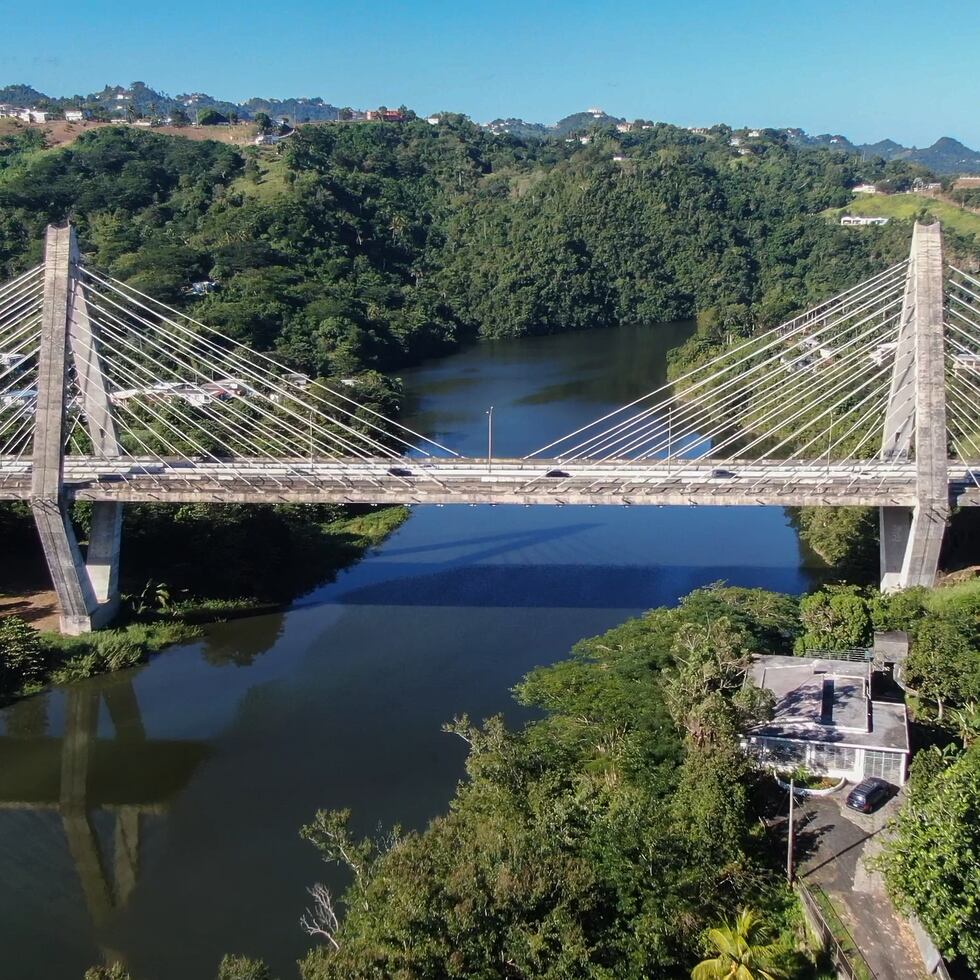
{"type": "Point", "coordinates": [80, 774]}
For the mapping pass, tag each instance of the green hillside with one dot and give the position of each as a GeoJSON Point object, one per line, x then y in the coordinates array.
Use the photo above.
{"type": "Point", "coordinates": [907, 207]}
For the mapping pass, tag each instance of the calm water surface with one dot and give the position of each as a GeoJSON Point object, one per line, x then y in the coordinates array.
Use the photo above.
{"type": "Point", "coordinates": [178, 842]}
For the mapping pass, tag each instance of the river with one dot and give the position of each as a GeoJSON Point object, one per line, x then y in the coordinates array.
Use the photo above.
{"type": "Point", "coordinates": [180, 841]}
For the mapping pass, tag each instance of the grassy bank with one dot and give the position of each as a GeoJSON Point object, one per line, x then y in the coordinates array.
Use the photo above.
{"type": "Point", "coordinates": [174, 607]}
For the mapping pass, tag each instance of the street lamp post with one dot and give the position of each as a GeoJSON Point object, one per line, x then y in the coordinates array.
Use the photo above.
{"type": "Point", "coordinates": [490, 439]}
{"type": "Point", "coordinates": [790, 834]}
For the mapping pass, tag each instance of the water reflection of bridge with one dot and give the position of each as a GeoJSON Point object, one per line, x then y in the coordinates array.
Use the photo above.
{"type": "Point", "coordinates": [79, 774]}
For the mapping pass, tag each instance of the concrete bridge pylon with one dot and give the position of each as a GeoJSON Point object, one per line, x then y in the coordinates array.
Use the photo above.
{"type": "Point", "coordinates": [87, 587]}
{"type": "Point", "coordinates": [911, 538]}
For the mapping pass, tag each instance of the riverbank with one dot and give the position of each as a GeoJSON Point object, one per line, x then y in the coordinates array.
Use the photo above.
{"type": "Point", "coordinates": [161, 615]}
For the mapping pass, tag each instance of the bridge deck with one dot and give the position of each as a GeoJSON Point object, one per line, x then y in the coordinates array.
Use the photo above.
{"type": "Point", "coordinates": [502, 481]}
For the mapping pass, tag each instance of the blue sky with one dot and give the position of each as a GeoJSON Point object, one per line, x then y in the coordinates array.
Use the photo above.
{"type": "Point", "coordinates": [870, 70]}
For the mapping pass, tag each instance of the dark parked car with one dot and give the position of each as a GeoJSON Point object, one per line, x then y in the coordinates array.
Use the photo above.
{"type": "Point", "coordinates": [720, 474]}
{"type": "Point", "coordinates": [869, 794]}
{"type": "Point", "coordinates": [557, 474]}
{"type": "Point", "coordinates": [399, 471]}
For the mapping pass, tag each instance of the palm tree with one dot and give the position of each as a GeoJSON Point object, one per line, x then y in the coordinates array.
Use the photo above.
{"type": "Point", "coordinates": [967, 720]}
{"type": "Point", "coordinates": [742, 955]}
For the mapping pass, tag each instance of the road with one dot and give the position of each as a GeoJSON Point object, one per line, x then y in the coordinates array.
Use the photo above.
{"type": "Point", "coordinates": [500, 481]}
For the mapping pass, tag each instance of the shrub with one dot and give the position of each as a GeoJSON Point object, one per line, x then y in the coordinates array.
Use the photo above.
{"type": "Point", "coordinates": [22, 659]}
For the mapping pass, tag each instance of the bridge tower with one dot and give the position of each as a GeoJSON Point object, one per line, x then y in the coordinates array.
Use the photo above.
{"type": "Point", "coordinates": [87, 588]}
{"type": "Point", "coordinates": [911, 538]}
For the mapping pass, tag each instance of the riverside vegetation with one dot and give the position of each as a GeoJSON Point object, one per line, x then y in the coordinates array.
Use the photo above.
{"type": "Point", "coordinates": [623, 834]}
{"type": "Point", "coordinates": [186, 566]}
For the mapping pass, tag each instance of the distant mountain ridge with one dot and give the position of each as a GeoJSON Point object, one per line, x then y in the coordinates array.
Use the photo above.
{"type": "Point", "coordinates": [945, 156]}
{"type": "Point", "coordinates": [118, 100]}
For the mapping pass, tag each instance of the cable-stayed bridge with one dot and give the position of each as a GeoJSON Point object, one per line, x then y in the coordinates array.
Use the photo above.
{"type": "Point", "coordinates": [108, 395]}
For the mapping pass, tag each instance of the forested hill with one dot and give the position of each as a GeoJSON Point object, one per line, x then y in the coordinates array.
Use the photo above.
{"type": "Point", "coordinates": [348, 247]}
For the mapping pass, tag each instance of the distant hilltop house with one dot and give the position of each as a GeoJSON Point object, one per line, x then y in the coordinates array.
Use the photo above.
{"type": "Point", "coordinates": [699, 130]}
{"type": "Point", "coordinates": [24, 115]}
{"type": "Point", "coordinates": [856, 219]}
{"type": "Point", "coordinates": [840, 718]}
{"type": "Point", "coordinates": [596, 112]}
{"type": "Point", "coordinates": [624, 127]}
{"type": "Point", "coordinates": [77, 115]}
{"type": "Point", "coordinates": [433, 120]}
{"type": "Point", "coordinates": [388, 115]}
{"type": "Point", "coordinates": [864, 189]}
{"type": "Point", "coordinates": [270, 139]}
{"type": "Point", "coordinates": [926, 186]}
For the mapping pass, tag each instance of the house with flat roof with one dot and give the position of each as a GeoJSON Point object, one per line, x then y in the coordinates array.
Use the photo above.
{"type": "Point", "coordinates": [827, 718]}
{"type": "Point", "coordinates": [861, 220]}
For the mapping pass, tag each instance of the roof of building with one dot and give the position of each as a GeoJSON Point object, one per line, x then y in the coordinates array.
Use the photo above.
{"type": "Point", "coordinates": [819, 700]}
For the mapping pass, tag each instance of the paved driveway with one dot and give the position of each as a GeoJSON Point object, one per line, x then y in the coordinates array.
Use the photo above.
{"type": "Point", "coordinates": [832, 843]}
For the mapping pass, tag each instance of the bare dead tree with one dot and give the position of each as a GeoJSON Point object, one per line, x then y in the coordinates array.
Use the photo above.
{"type": "Point", "coordinates": [321, 919]}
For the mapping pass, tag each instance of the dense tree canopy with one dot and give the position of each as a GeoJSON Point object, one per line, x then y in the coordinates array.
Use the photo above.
{"type": "Point", "coordinates": [372, 245]}
{"type": "Point", "coordinates": [932, 865]}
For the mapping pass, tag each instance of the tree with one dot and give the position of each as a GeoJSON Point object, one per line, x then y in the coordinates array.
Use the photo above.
{"type": "Point", "coordinates": [930, 864]}
{"type": "Point", "coordinates": [114, 971]}
{"type": "Point", "coordinates": [242, 968]}
{"type": "Point", "coordinates": [179, 117]}
{"type": "Point", "coordinates": [943, 665]}
{"type": "Point", "coordinates": [210, 117]}
{"type": "Point", "coordinates": [263, 121]}
{"type": "Point", "coordinates": [743, 953]}
{"type": "Point", "coordinates": [835, 618]}
{"type": "Point", "coordinates": [22, 659]}
{"type": "Point", "coordinates": [346, 114]}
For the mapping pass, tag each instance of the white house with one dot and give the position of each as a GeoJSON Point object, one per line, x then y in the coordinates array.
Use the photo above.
{"type": "Point", "coordinates": [864, 189]}
{"type": "Point", "coordinates": [882, 353]}
{"type": "Point", "coordinates": [826, 717]}
{"type": "Point", "coordinates": [433, 120]}
{"type": "Point", "coordinates": [856, 219]}
{"type": "Point", "coordinates": [268, 139]}
{"type": "Point", "coordinates": [32, 115]}
{"type": "Point", "coordinates": [76, 115]}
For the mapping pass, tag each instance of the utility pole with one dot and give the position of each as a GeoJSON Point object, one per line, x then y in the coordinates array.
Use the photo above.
{"type": "Point", "coordinates": [490, 439]}
{"type": "Point", "coordinates": [790, 834]}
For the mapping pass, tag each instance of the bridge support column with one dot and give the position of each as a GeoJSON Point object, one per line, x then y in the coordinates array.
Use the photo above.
{"type": "Point", "coordinates": [911, 539]}
{"type": "Point", "coordinates": [87, 590]}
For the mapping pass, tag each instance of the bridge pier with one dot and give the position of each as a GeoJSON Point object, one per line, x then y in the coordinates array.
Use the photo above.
{"type": "Point", "coordinates": [87, 589]}
{"type": "Point", "coordinates": [911, 539]}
